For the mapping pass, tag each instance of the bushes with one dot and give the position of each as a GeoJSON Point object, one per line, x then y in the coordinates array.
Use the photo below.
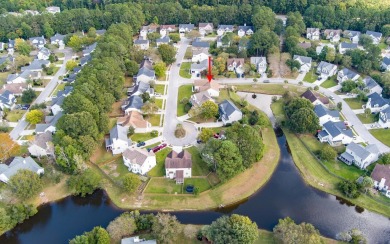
{"type": "Point", "coordinates": [84, 183]}
{"type": "Point", "coordinates": [25, 184]}
{"type": "Point", "coordinates": [349, 188]}
{"type": "Point", "coordinates": [13, 214]}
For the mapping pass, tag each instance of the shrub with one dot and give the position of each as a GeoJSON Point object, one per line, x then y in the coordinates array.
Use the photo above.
{"type": "Point", "coordinates": [154, 133]}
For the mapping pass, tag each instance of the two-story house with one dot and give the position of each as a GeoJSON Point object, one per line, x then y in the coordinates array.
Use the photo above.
{"type": "Point", "coordinates": [7, 100]}
{"type": "Point", "coordinates": [353, 36]}
{"type": "Point", "coordinates": [347, 74]}
{"type": "Point", "coordinates": [43, 54]}
{"type": "Point", "coordinates": [222, 29]}
{"type": "Point", "coordinates": [135, 120]}
{"type": "Point", "coordinates": [313, 34]}
{"type": "Point", "coordinates": [375, 36]}
{"type": "Point", "coordinates": [145, 75]}
{"type": "Point", "coordinates": [332, 35]}
{"type": "Point", "coordinates": [19, 163]}
{"type": "Point", "coordinates": [57, 39]}
{"type": "Point", "coordinates": [211, 88]}
{"type": "Point", "coordinates": [49, 125]}
{"type": "Point", "coordinates": [185, 28]}
{"type": "Point", "coordinates": [384, 118]}
{"type": "Point", "coordinates": [38, 41]}
{"type": "Point", "coordinates": [134, 103]}
{"type": "Point", "coordinates": [372, 86]}
{"type": "Point", "coordinates": [260, 63]}
{"type": "Point", "coordinates": [166, 29]}
{"type": "Point", "coordinates": [325, 69]}
{"type": "Point", "coordinates": [198, 67]}
{"type": "Point", "coordinates": [197, 99]}
{"type": "Point", "coordinates": [345, 46]}
{"type": "Point", "coordinates": [385, 65]}
{"type": "Point", "coordinates": [228, 112]}
{"type": "Point", "coordinates": [236, 65]}
{"type": "Point", "coordinates": [142, 43]}
{"type": "Point", "coordinates": [376, 102]}
{"type": "Point", "coordinates": [163, 40]}
{"type": "Point", "coordinates": [245, 30]}
{"type": "Point", "coordinates": [118, 141]}
{"type": "Point", "coordinates": [139, 161]}
{"type": "Point", "coordinates": [200, 55]}
{"type": "Point", "coordinates": [304, 61]}
{"type": "Point", "coordinates": [360, 156]}
{"type": "Point", "coordinates": [42, 145]}
{"type": "Point", "coordinates": [381, 177]}
{"type": "Point", "coordinates": [178, 166]}
{"type": "Point", "coordinates": [335, 133]}
{"type": "Point", "coordinates": [205, 28]}
{"type": "Point", "coordinates": [314, 97]}
{"type": "Point", "coordinates": [324, 114]}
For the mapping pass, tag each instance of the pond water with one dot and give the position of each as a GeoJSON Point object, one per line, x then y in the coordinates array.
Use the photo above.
{"type": "Point", "coordinates": [286, 194]}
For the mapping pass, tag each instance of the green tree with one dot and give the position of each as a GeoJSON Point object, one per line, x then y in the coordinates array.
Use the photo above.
{"type": "Point", "coordinates": [263, 41]}
{"type": "Point", "coordinates": [175, 37]}
{"type": "Point", "coordinates": [24, 48]}
{"type": "Point", "coordinates": [131, 67]}
{"type": "Point", "coordinates": [233, 229]}
{"type": "Point", "coordinates": [228, 160]}
{"type": "Point", "coordinates": [386, 30]}
{"type": "Point", "coordinates": [97, 235]}
{"type": "Point", "coordinates": [287, 231]}
{"type": "Point", "coordinates": [339, 106]}
{"type": "Point", "coordinates": [149, 108]}
{"type": "Point", "coordinates": [85, 183]}
{"type": "Point", "coordinates": [28, 95]}
{"type": "Point", "coordinates": [349, 188]}
{"type": "Point", "coordinates": [153, 36]}
{"type": "Point", "coordinates": [167, 53]}
{"type": "Point", "coordinates": [330, 55]}
{"type": "Point", "coordinates": [160, 69]}
{"type": "Point", "coordinates": [131, 131]}
{"type": "Point", "coordinates": [384, 159]}
{"type": "Point", "coordinates": [34, 116]}
{"type": "Point", "coordinates": [21, 60]}
{"type": "Point", "coordinates": [327, 153]}
{"type": "Point", "coordinates": [75, 42]}
{"type": "Point", "coordinates": [346, 61]}
{"type": "Point", "coordinates": [91, 32]}
{"type": "Point", "coordinates": [365, 40]}
{"type": "Point", "coordinates": [130, 182]}
{"type": "Point", "coordinates": [193, 34]}
{"type": "Point", "coordinates": [348, 86]}
{"type": "Point", "coordinates": [297, 103]}
{"type": "Point", "coordinates": [209, 109]}
{"type": "Point", "coordinates": [78, 124]}
{"type": "Point", "coordinates": [70, 65]}
{"type": "Point", "coordinates": [25, 184]}
{"type": "Point", "coordinates": [47, 30]}
{"type": "Point", "coordinates": [304, 120]}
{"type": "Point", "coordinates": [122, 226]}
{"type": "Point", "coordinates": [206, 134]}
{"type": "Point", "coordinates": [264, 17]}
{"type": "Point", "coordinates": [367, 183]}
{"type": "Point", "coordinates": [166, 228]}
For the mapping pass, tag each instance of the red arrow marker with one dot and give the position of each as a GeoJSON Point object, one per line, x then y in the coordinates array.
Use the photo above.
{"type": "Point", "coordinates": [209, 75]}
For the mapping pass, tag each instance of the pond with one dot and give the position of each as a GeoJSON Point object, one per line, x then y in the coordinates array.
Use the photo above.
{"type": "Point", "coordinates": [286, 194]}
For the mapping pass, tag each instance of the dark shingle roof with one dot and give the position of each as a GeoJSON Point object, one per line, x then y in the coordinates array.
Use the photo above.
{"type": "Point", "coordinates": [227, 108]}
{"type": "Point", "coordinates": [176, 160]}
{"type": "Point", "coordinates": [376, 100]}
{"type": "Point", "coordinates": [337, 128]}
{"type": "Point", "coordinates": [320, 110]}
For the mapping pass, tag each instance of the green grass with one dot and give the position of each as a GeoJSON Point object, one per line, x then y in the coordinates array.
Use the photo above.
{"type": "Point", "coordinates": [329, 83]}
{"type": "Point", "coordinates": [116, 169]}
{"type": "Point", "coordinates": [310, 77]}
{"type": "Point", "coordinates": [60, 87]}
{"type": "Point", "coordinates": [159, 103]}
{"type": "Point", "coordinates": [271, 89]}
{"type": "Point", "coordinates": [199, 167]}
{"type": "Point", "coordinates": [141, 137]}
{"type": "Point", "coordinates": [3, 77]}
{"type": "Point", "coordinates": [382, 45]}
{"type": "Point", "coordinates": [229, 95]}
{"type": "Point", "coordinates": [159, 169]}
{"type": "Point", "coordinates": [159, 89]}
{"type": "Point", "coordinates": [354, 103]}
{"type": "Point", "coordinates": [382, 135]}
{"type": "Point", "coordinates": [185, 91]}
{"type": "Point", "coordinates": [367, 119]}
{"type": "Point", "coordinates": [163, 186]}
{"type": "Point", "coordinates": [154, 119]}
{"type": "Point", "coordinates": [14, 115]}
{"type": "Point", "coordinates": [201, 183]}
{"type": "Point", "coordinates": [185, 70]}
{"type": "Point", "coordinates": [60, 55]}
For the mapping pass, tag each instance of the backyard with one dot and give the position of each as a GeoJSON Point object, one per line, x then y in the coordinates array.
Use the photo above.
{"type": "Point", "coordinates": [382, 135]}
{"type": "Point", "coordinates": [185, 70]}
{"type": "Point", "coordinates": [184, 92]}
{"type": "Point", "coordinates": [310, 77]}
{"type": "Point", "coordinates": [354, 103]}
{"type": "Point", "coordinates": [159, 169]}
{"type": "Point", "coordinates": [199, 167]}
{"type": "Point", "coordinates": [163, 186]}
{"type": "Point", "coordinates": [329, 83]}
{"type": "Point", "coordinates": [14, 115]}
{"type": "Point", "coordinates": [115, 169]}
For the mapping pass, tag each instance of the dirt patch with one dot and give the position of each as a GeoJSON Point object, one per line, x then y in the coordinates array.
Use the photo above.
{"type": "Point", "coordinates": [116, 110]}
{"type": "Point", "coordinates": [285, 71]}
{"type": "Point", "coordinates": [273, 60]}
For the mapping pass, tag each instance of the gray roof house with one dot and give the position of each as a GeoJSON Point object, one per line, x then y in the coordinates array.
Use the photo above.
{"type": "Point", "coordinates": [384, 118]}
{"type": "Point", "coordinates": [345, 46]}
{"type": "Point", "coordinates": [163, 40]}
{"type": "Point", "coordinates": [100, 32]}
{"type": "Point", "coordinates": [141, 88]}
{"type": "Point", "coordinates": [19, 163]}
{"type": "Point", "coordinates": [57, 39]}
{"type": "Point", "coordinates": [245, 30]}
{"type": "Point", "coordinates": [386, 64]}
{"type": "Point", "coordinates": [89, 49]}
{"type": "Point", "coordinates": [7, 61]}
{"type": "Point", "coordinates": [260, 63]}
{"type": "Point", "coordinates": [324, 114]}
{"type": "Point", "coordinates": [335, 133]}
{"type": "Point", "coordinates": [326, 69]}
{"type": "Point", "coordinates": [197, 68]}
{"type": "Point", "coordinates": [144, 74]}
{"type": "Point", "coordinates": [50, 124]}
{"type": "Point", "coordinates": [11, 43]}
{"type": "Point", "coordinates": [353, 36]}
{"type": "Point", "coordinates": [142, 43]}
{"type": "Point", "coordinates": [359, 155]}
{"type": "Point", "coordinates": [372, 86]}
{"type": "Point", "coordinates": [43, 53]}
{"type": "Point", "coordinates": [313, 34]}
{"type": "Point", "coordinates": [118, 140]}
{"type": "Point", "coordinates": [36, 65]}
{"type": "Point", "coordinates": [376, 102]}
{"type": "Point", "coordinates": [332, 35]}
{"type": "Point", "coordinates": [222, 29]}
{"type": "Point", "coordinates": [133, 103]}
{"type": "Point", "coordinates": [375, 36]}
{"type": "Point", "coordinates": [38, 41]}
{"type": "Point", "coordinates": [7, 100]}
{"type": "Point", "coordinates": [228, 112]}
{"type": "Point", "coordinates": [304, 61]}
{"type": "Point", "coordinates": [347, 74]}
{"type": "Point", "coordinates": [42, 145]}
{"type": "Point", "coordinates": [183, 28]}
{"type": "Point", "coordinates": [84, 60]}
{"type": "Point", "coordinates": [197, 43]}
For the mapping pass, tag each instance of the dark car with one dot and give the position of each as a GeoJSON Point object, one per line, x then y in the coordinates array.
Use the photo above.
{"type": "Point", "coordinates": [25, 107]}
{"type": "Point", "coordinates": [199, 141]}
{"type": "Point", "coordinates": [141, 143]}
{"type": "Point", "coordinates": [266, 81]}
{"type": "Point", "coordinates": [159, 147]}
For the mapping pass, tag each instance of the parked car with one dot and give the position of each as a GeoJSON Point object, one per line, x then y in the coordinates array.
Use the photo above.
{"type": "Point", "coordinates": [331, 97]}
{"type": "Point", "coordinates": [216, 136]}
{"type": "Point", "coordinates": [199, 141]}
{"type": "Point", "coordinates": [266, 81]}
{"type": "Point", "coordinates": [159, 147]}
{"type": "Point", "coordinates": [25, 107]}
{"type": "Point", "coordinates": [141, 143]}
{"type": "Point", "coordinates": [178, 64]}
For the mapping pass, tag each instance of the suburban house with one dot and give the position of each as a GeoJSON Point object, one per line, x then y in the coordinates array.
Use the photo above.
{"type": "Point", "coordinates": [6, 62]}
{"type": "Point", "coordinates": [204, 85]}
{"type": "Point", "coordinates": [43, 53]}
{"type": "Point", "coordinates": [23, 77]}
{"type": "Point", "coordinates": [185, 28]}
{"type": "Point", "coordinates": [145, 74]}
{"type": "Point", "coordinates": [345, 46]}
{"type": "Point", "coordinates": [49, 125]}
{"type": "Point", "coordinates": [134, 119]}
{"type": "Point", "coordinates": [134, 103]}
{"type": "Point", "coordinates": [197, 68]}
{"type": "Point", "coordinates": [206, 28]}
{"type": "Point", "coordinates": [178, 166]}
{"type": "Point", "coordinates": [53, 9]}
{"type": "Point", "coordinates": [163, 40]}
{"type": "Point", "coordinates": [222, 29]}
{"type": "Point", "coordinates": [245, 30]}
{"type": "Point", "coordinates": [31, 12]}
{"type": "Point", "coordinates": [347, 74]}
{"type": "Point", "coordinates": [324, 114]}
{"type": "Point", "coordinates": [7, 100]}
{"type": "Point", "coordinates": [325, 69]}
{"type": "Point", "coordinates": [260, 63]}
{"type": "Point", "coordinates": [199, 55]}
{"type": "Point", "coordinates": [118, 140]}
{"type": "Point", "coordinates": [84, 60]}
{"type": "Point", "coordinates": [335, 133]}
{"type": "Point", "coordinates": [11, 47]}
{"type": "Point", "coordinates": [384, 118]}
{"type": "Point", "coordinates": [360, 156]}
{"type": "Point", "coordinates": [139, 161]}
{"type": "Point", "coordinates": [375, 36]}
{"type": "Point", "coordinates": [142, 43]}
{"type": "Point", "coordinates": [140, 88]}
{"type": "Point", "coordinates": [236, 65]}
{"type": "Point", "coordinates": [376, 102]}
{"type": "Point", "coordinates": [148, 29]}
{"type": "Point", "coordinates": [386, 64]}
{"type": "Point", "coordinates": [36, 65]}
{"type": "Point", "coordinates": [314, 97]}
{"type": "Point", "coordinates": [137, 240]}
{"type": "Point", "coordinates": [304, 61]}
{"type": "Point", "coordinates": [372, 86]}
{"type": "Point", "coordinates": [313, 34]}
{"type": "Point", "coordinates": [38, 41]}
{"type": "Point", "coordinates": [56, 105]}
{"type": "Point", "coordinates": [222, 43]}
{"type": "Point", "coordinates": [89, 49]}
{"type": "Point", "coordinates": [381, 178]}
{"type": "Point", "coordinates": [15, 88]}
{"type": "Point", "coordinates": [228, 112]}
{"type": "Point", "coordinates": [198, 44]}
{"type": "Point", "coordinates": [321, 46]}
{"type": "Point", "coordinates": [353, 36]}
{"type": "Point", "coordinates": [19, 163]}
{"type": "Point", "coordinates": [57, 39]}
{"type": "Point", "coordinates": [199, 98]}
{"type": "Point", "coordinates": [166, 29]}
{"type": "Point", "coordinates": [332, 35]}
{"type": "Point", "coordinates": [42, 145]}
{"type": "Point", "coordinates": [100, 32]}
{"type": "Point", "coordinates": [243, 44]}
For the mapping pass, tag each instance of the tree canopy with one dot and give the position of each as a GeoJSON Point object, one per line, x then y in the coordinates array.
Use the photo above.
{"type": "Point", "coordinates": [287, 231]}
{"type": "Point", "coordinates": [25, 184]}
{"type": "Point", "coordinates": [166, 228]}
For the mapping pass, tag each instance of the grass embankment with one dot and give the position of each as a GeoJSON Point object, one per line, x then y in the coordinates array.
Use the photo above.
{"type": "Point", "coordinates": [185, 70]}
{"type": "Point", "coordinates": [270, 89]}
{"type": "Point", "coordinates": [367, 119]}
{"type": "Point", "coordinates": [354, 103]}
{"type": "Point", "coordinates": [329, 83]}
{"type": "Point", "coordinates": [185, 91]}
{"type": "Point", "coordinates": [310, 77]}
{"type": "Point", "coordinates": [382, 135]}
{"type": "Point", "coordinates": [141, 137]}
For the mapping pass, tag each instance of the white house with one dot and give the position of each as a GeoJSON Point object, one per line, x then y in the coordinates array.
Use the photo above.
{"type": "Point", "coordinates": [321, 46]}
{"type": "Point", "coordinates": [375, 36]}
{"type": "Point", "coordinates": [386, 64]}
{"type": "Point", "coordinates": [57, 39]}
{"type": "Point", "coordinates": [36, 65]}
{"type": "Point", "coordinates": [7, 100]}
{"type": "Point", "coordinates": [381, 178]}
{"type": "Point", "coordinates": [325, 69]}
{"type": "Point", "coordinates": [199, 55]}
{"type": "Point", "coordinates": [228, 112]}
{"type": "Point", "coordinates": [139, 161]}
{"type": "Point", "coordinates": [360, 156]}
{"type": "Point", "coordinates": [222, 29]}
{"type": "Point", "coordinates": [324, 114]}
{"type": "Point", "coordinates": [236, 65]}
{"type": "Point", "coordinates": [163, 40]}
{"type": "Point", "coordinates": [384, 118]}
{"type": "Point", "coordinates": [178, 166]}
{"type": "Point", "coordinates": [353, 36]}
{"type": "Point", "coordinates": [43, 54]}
{"type": "Point", "coordinates": [118, 140]}
{"type": "Point", "coordinates": [313, 34]}
{"type": "Point", "coordinates": [145, 74]}
{"type": "Point", "coordinates": [305, 63]}
{"type": "Point", "coordinates": [38, 41]}
{"type": "Point", "coordinates": [19, 163]}
{"type": "Point", "coordinates": [185, 28]}
{"type": "Point", "coordinates": [376, 102]}
{"type": "Point", "coordinates": [142, 44]}
{"type": "Point", "coordinates": [166, 29]}
{"type": "Point", "coordinates": [42, 145]}
{"type": "Point", "coordinates": [245, 30]}
{"type": "Point", "coordinates": [49, 125]}
{"type": "Point", "coordinates": [212, 88]}
{"type": "Point", "coordinates": [260, 63]}
{"type": "Point", "coordinates": [372, 86]}
{"type": "Point", "coordinates": [53, 9]}
{"type": "Point", "coordinates": [205, 28]}
{"type": "Point", "coordinates": [56, 105]}
{"type": "Point", "coordinates": [332, 35]}
{"type": "Point", "coordinates": [199, 98]}
{"type": "Point", "coordinates": [345, 46]}
{"type": "Point", "coordinates": [136, 239]}
{"type": "Point", "coordinates": [347, 74]}
{"type": "Point", "coordinates": [335, 133]}
{"type": "Point", "coordinates": [134, 103]}
{"type": "Point", "coordinates": [197, 68]}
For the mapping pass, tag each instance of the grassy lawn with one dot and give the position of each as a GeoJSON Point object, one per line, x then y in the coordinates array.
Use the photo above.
{"type": "Point", "coordinates": [329, 83]}
{"type": "Point", "coordinates": [199, 167]}
{"type": "Point", "coordinates": [382, 45]}
{"type": "Point", "coordinates": [354, 103]}
{"type": "Point", "coordinates": [382, 135]}
{"type": "Point", "coordinates": [141, 137]}
{"type": "Point", "coordinates": [271, 89]}
{"type": "Point", "coordinates": [60, 55]}
{"type": "Point", "coordinates": [60, 87]}
{"type": "Point", "coordinates": [367, 119]}
{"type": "Point", "coordinates": [310, 77]}
{"type": "Point", "coordinates": [184, 92]}
{"type": "Point", "coordinates": [159, 169]}
{"type": "Point", "coordinates": [201, 183]}
{"type": "Point", "coordinates": [159, 89]}
{"type": "Point", "coordinates": [3, 77]}
{"type": "Point", "coordinates": [115, 169]}
{"type": "Point", "coordinates": [185, 70]}
{"type": "Point", "coordinates": [163, 186]}
{"type": "Point", "coordinates": [227, 94]}
{"type": "Point", "coordinates": [154, 119]}
{"type": "Point", "coordinates": [101, 155]}
{"type": "Point", "coordinates": [159, 103]}
{"type": "Point", "coordinates": [14, 115]}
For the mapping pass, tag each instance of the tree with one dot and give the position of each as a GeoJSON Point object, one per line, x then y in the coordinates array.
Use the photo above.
{"type": "Point", "coordinates": [227, 159]}
{"type": "Point", "coordinates": [23, 48]}
{"type": "Point", "coordinates": [8, 147]}
{"type": "Point", "coordinates": [145, 97]}
{"type": "Point", "coordinates": [384, 159]}
{"type": "Point", "coordinates": [34, 116]}
{"type": "Point", "coordinates": [346, 61]}
{"type": "Point", "coordinates": [75, 42]}
{"type": "Point", "coordinates": [365, 66]}
{"type": "Point", "coordinates": [175, 37]}
{"type": "Point", "coordinates": [367, 183]}
{"type": "Point", "coordinates": [220, 64]}
{"type": "Point", "coordinates": [21, 60]}
{"type": "Point", "coordinates": [327, 153]}
{"type": "Point", "coordinates": [264, 17]}
{"type": "Point", "coordinates": [160, 69]}
{"type": "Point", "coordinates": [78, 124]}
{"type": "Point", "coordinates": [85, 183]}
{"type": "Point", "coordinates": [287, 231]}
{"type": "Point", "coordinates": [131, 131]}
{"type": "Point", "coordinates": [47, 30]}
{"type": "Point", "coordinates": [149, 108]}
{"type": "Point", "coordinates": [339, 106]}
{"type": "Point", "coordinates": [91, 32]}
{"type": "Point", "coordinates": [131, 67]}
{"type": "Point", "coordinates": [153, 36]}
{"type": "Point", "coordinates": [25, 184]}
{"type": "Point", "coordinates": [209, 109]}
{"type": "Point", "coordinates": [122, 226]}
{"type": "Point", "coordinates": [206, 134]}
{"type": "Point", "coordinates": [293, 64]}
{"type": "Point", "coordinates": [97, 235]}
{"type": "Point", "coordinates": [130, 182]}
{"type": "Point", "coordinates": [233, 229]}
{"type": "Point", "coordinates": [166, 228]}
{"type": "Point", "coordinates": [352, 236]}
{"type": "Point", "coordinates": [70, 65]}
{"type": "Point", "coordinates": [348, 86]}
{"type": "Point", "coordinates": [193, 34]}
{"type": "Point", "coordinates": [28, 95]}
{"type": "Point", "coordinates": [167, 53]}
{"type": "Point", "coordinates": [297, 103]}
{"type": "Point", "coordinates": [349, 188]}
{"type": "Point", "coordinates": [365, 40]}
{"type": "Point", "coordinates": [330, 55]}
{"type": "Point", "coordinates": [263, 41]}
{"type": "Point", "coordinates": [304, 120]}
